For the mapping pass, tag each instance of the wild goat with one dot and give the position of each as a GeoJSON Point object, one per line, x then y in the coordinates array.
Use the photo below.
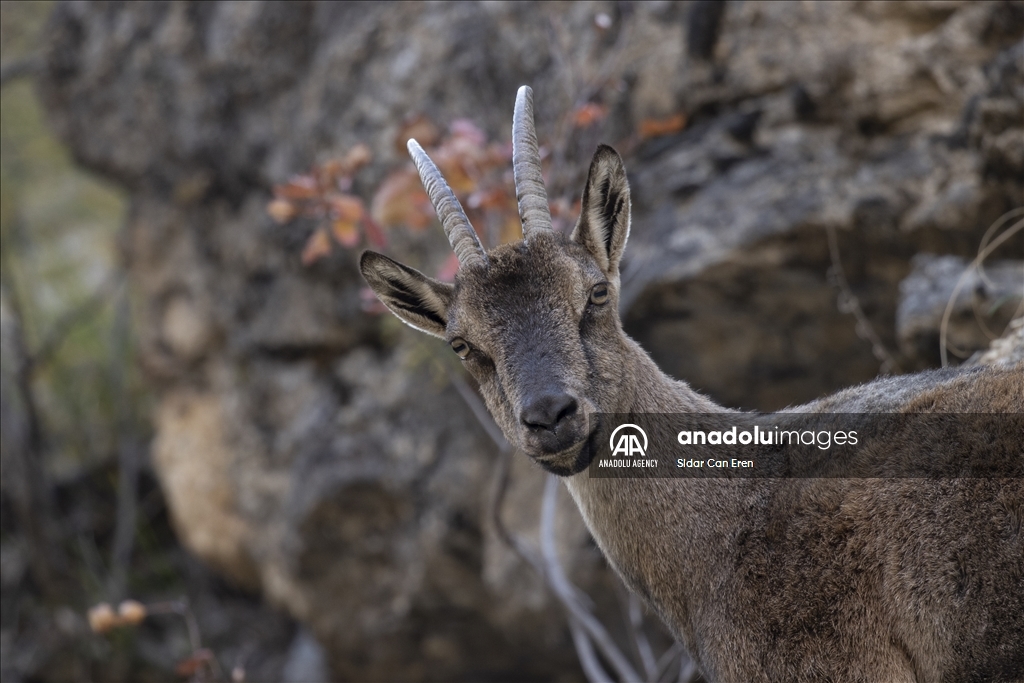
{"type": "Point", "coordinates": [773, 579]}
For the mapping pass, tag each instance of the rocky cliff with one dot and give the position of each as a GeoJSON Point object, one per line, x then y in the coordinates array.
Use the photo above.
{"type": "Point", "coordinates": [320, 455]}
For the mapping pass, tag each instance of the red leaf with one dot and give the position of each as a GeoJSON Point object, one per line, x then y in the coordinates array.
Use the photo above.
{"type": "Point", "coordinates": [653, 128]}
{"type": "Point", "coordinates": [374, 234]}
{"type": "Point", "coordinates": [346, 207]}
{"type": "Point", "coordinates": [357, 157]}
{"type": "Point", "coordinates": [282, 210]}
{"type": "Point", "coordinates": [460, 159]}
{"type": "Point", "coordinates": [401, 201]}
{"type": "Point", "coordinates": [588, 114]}
{"type": "Point", "coordinates": [317, 246]}
{"type": "Point", "coordinates": [418, 127]}
{"type": "Point", "coordinates": [346, 232]}
{"type": "Point", "coordinates": [464, 128]}
{"type": "Point", "coordinates": [188, 667]}
{"type": "Point", "coordinates": [330, 171]}
{"type": "Point", "coordinates": [499, 154]}
{"type": "Point", "coordinates": [299, 187]}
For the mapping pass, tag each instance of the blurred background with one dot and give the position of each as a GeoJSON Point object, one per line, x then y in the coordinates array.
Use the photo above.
{"type": "Point", "coordinates": [206, 415]}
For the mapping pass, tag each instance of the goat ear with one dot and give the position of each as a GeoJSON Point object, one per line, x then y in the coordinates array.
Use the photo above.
{"type": "Point", "coordinates": [416, 299]}
{"type": "Point", "coordinates": [604, 215]}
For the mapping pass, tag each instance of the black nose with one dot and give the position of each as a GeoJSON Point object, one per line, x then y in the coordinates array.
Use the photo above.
{"type": "Point", "coordinates": [547, 410]}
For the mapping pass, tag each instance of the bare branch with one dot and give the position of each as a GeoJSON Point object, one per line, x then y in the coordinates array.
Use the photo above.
{"type": "Point", "coordinates": [987, 281]}
{"type": "Point", "coordinates": [687, 670]}
{"type": "Point", "coordinates": [992, 229]}
{"type": "Point", "coordinates": [566, 591]}
{"type": "Point", "coordinates": [586, 629]}
{"type": "Point", "coordinates": [585, 651]}
{"type": "Point", "coordinates": [499, 484]}
{"type": "Point", "coordinates": [983, 253]}
{"type": "Point", "coordinates": [665, 661]}
{"type": "Point", "coordinates": [25, 467]}
{"type": "Point", "coordinates": [182, 609]}
{"type": "Point", "coordinates": [128, 455]}
{"type": "Point", "coordinates": [643, 646]}
{"type": "Point", "coordinates": [849, 303]}
{"type": "Point", "coordinates": [479, 411]}
{"type": "Point", "coordinates": [584, 647]}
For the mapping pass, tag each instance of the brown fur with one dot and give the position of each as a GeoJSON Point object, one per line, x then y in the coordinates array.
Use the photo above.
{"type": "Point", "coordinates": [761, 579]}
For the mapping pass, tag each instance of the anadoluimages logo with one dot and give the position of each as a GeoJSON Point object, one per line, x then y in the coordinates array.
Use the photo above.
{"type": "Point", "coordinates": [628, 443]}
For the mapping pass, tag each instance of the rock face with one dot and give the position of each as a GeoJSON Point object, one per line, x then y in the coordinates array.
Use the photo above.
{"type": "Point", "coordinates": [320, 454]}
{"type": "Point", "coordinates": [883, 133]}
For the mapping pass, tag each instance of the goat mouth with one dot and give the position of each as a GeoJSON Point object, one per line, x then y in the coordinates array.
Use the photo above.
{"type": "Point", "coordinates": [571, 460]}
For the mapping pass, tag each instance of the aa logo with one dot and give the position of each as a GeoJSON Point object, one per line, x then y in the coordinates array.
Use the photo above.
{"type": "Point", "coordinates": [626, 440]}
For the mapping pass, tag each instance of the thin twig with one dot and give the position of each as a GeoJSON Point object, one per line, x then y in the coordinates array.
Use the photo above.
{"type": "Point", "coordinates": [983, 276]}
{"type": "Point", "coordinates": [584, 647]}
{"type": "Point", "coordinates": [982, 255]}
{"type": "Point", "coordinates": [128, 453]}
{"type": "Point", "coordinates": [33, 495]}
{"type": "Point", "coordinates": [643, 645]}
{"type": "Point", "coordinates": [980, 319]}
{"type": "Point", "coordinates": [998, 223]}
{"type": "Point", "coordinates": [582, 623]}
{"type": "Point", "coordinates": [181, 608]}
{"type": "Point", "coordinates": [567, 592]}
{"type": "Point", "coordinates": [666, 659]}
{"type": "Point", "coordinates": [499, 487]}
{"type": "Point", "coordinates": [479, 410]}
{"type": "Point", "coordinates": [585, 653]}
{"type": "Point", "coordinates": [194, 639]}
{"type": "Point", "coordinates": [687, 670]}
{"type": "Point", "coordinates": [90, 556]}
{"type": "Point", "coordinates": [499, 484]}
{"type": "Point", "coordinates": [849, 303]}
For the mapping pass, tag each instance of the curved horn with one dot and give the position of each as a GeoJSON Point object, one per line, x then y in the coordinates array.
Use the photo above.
{"type": "Point", "coordinates": [449, 211]}
{"type": "Point", "coordinates": [533, 198]}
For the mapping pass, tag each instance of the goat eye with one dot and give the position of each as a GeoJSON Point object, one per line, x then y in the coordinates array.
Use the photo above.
{"type": "Point", "coordinates": [460, 347]}
{"type": "Point", "coordinates": [599, 294]}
